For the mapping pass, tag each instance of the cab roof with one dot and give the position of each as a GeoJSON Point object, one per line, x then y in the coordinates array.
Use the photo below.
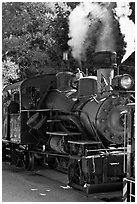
{"type": "Point", "coordinates": [33, 81]}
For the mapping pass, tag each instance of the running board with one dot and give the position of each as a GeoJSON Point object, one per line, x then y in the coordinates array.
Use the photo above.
{"type": "Point", "coordinates": [63, 133]}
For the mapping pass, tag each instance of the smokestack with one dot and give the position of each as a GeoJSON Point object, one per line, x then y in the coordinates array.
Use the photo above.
{"type": "Point", "coordinates": [105, 63]}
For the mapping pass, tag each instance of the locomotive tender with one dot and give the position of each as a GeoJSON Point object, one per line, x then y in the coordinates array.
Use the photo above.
{"type": "Point", "coordinates": [79, 126]}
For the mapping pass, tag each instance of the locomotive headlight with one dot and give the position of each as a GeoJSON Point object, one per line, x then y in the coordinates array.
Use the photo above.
{"type": "Point", "coordinates": [122, 82]}
{"type": "Point", "coordinates": [126, 82]}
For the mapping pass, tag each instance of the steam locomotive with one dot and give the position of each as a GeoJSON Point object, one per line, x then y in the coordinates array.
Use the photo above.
{"type": "Point", "coordinates": [77, 125]}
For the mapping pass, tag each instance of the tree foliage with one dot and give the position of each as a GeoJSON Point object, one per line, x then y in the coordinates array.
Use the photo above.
{"type": "Point", "coordinates": [10, 72]}
{"type": "Point", "coordinates": [132, 7]}
{"type": "Point", "coordinates": [35, 35]}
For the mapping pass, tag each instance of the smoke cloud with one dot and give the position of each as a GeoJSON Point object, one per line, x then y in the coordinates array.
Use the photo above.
{"type": "Point", "coordinates": [91, 27]}
{"type": "Point", "coordinates": [78, 24]}
{"type": "Point", "coordinates": [127, 26]}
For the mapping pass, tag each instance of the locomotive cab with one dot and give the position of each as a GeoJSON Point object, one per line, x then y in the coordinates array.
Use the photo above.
{"type": "Point", "coordinates": [20, 101]}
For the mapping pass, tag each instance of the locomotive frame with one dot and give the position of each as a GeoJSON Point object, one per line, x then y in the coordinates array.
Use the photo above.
{"type": "Point", "coordinates": [57, 136]}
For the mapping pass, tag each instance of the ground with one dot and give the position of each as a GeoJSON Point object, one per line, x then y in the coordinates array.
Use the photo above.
{"type": "Point", "coordinates": [19, 185]}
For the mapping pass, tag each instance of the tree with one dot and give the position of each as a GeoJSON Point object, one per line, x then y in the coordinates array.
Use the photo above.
{"type": "Point", "coordinates": [132, 7]}
{"type": "Point", "coordinates": [34, 36]}
{"type": "Point", "coordinates": [10, 72]}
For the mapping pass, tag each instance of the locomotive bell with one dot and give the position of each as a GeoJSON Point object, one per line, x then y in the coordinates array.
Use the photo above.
{"type": "Point", "coordinates": [105, 63]}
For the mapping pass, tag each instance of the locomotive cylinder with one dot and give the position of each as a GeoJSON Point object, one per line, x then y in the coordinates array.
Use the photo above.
{"type": "Point", "coordinates": [57, 144]}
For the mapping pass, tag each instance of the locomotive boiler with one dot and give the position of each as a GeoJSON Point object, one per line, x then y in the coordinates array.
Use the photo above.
{"type": "Point", "coordinates": [69, 123]}
{"type": "Point", "coordinates": [92, 106]}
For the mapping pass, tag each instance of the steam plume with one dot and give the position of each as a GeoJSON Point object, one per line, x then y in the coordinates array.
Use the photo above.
{"type": "Point", "coordinates": [127, 26]}
{"type": "Point", "coordinates": [91, 27]}
{"type": "Point", "coordinates": [79, 25]}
